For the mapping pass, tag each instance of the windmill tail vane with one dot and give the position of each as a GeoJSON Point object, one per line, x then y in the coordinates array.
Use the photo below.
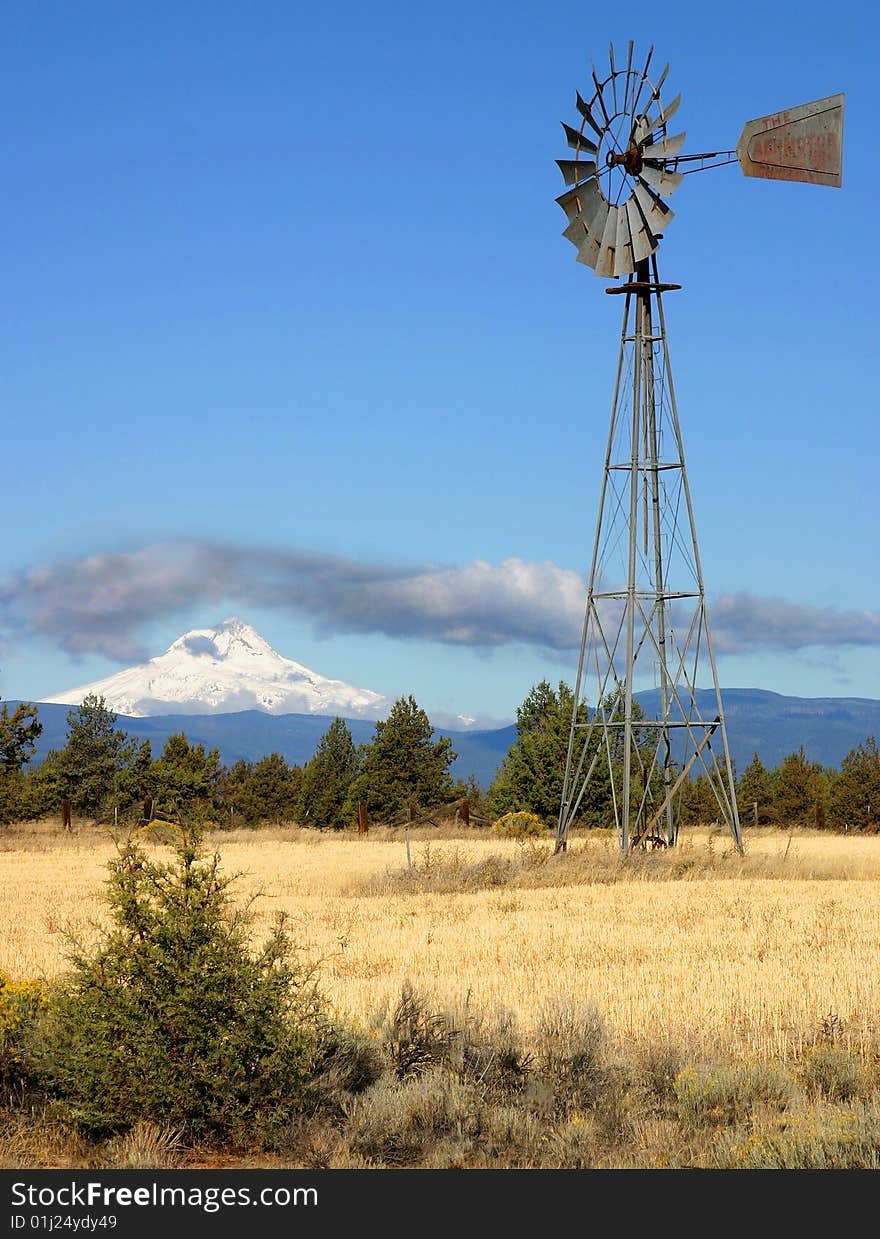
{"type": "Point", "coordinates": [646, 620]}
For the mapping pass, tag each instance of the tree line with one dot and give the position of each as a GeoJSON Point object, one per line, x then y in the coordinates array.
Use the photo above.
{"type": "Point", "coordinates": [797, 792]}
{"type": "Point", "coordinates": [103, 773]}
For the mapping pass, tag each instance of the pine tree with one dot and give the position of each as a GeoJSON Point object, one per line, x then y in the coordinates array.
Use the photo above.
{"type": "Point", "coordinates": [185, 778]}
{"type": "Point", "coordinates": [404, 764]}
{"type": "Point", "coordinates": [796, 793]}
{"type": "Point", "coordinates": [95, 751]}
{"type": "Point", "coordinates": [855, 791]}
{"type": "Point", "coordinates": [756, 787]}
{"type": "Point", "coordinates": [698, 805]}
{"type": "Point", "coordinates": [263, 791]}
{"type": "Point", "coordinates": [532, 774]}
{"type": "Point", "coordinates": [327, 779]}
{"type": "Point", "coordinates": [134, 779]}
{"type": "Point", "coordinates": [19, 732]}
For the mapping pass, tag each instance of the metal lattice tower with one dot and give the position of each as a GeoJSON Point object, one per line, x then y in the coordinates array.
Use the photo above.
{"type": "Point", "coordinates": [646, 620]}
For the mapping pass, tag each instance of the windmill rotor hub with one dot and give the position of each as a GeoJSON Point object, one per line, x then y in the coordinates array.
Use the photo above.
{"type": "Point", "coordinates": [630, 160]}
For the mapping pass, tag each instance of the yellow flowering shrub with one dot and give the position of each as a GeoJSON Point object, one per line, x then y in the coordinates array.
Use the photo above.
{"type": "Point", "coordinates": [519, 826]}
{"type": "Point", "coordinates": [20, 1004]}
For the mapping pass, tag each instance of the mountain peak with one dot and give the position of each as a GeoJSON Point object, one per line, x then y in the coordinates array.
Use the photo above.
{"type": "Point", "coordinates": [233, 636]}
{"type": "Point", "coordinates": [223, 669]}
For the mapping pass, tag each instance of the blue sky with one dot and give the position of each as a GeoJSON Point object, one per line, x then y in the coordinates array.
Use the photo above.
{"type": "Point", "coordinates": [287, 320]}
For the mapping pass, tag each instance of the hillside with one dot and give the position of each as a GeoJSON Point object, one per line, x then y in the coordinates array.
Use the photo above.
{"type": "Point", "coordinates": [758, 721]}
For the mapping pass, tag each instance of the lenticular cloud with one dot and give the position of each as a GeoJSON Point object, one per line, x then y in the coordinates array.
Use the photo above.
{"type": "Point", "coordinates": [98, 603]}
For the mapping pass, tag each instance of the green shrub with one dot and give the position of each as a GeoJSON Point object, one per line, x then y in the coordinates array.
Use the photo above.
{"type": "Point", "coordinates": [171, 1019]}
{"type": "Point", "coordinates": [520, 825]}
{"type": "Point", "coordinates": [834, 1073]}
{"type": "Point", "coordinates": [725, 1095]}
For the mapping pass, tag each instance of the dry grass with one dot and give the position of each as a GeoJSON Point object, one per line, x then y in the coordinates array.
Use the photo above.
{"type": "Point", "coordinates": [718, 955]}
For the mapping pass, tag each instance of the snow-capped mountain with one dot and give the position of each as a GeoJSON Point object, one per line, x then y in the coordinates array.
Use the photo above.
{"type": "Point", "coordinates": [223, 669]}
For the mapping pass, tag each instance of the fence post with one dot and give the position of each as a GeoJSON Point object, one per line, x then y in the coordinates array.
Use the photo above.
{"type": "Point", "coordinates": [465, 812]}
{"type": "Point", "coordinates": [362, 818]}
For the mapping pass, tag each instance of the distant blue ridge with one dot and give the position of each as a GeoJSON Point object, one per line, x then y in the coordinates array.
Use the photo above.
{"type": "Point", "coordinates": [758, 721]}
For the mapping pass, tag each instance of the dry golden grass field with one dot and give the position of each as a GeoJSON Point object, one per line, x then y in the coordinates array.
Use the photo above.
{"type": "Point", "coordinates": [717, 954]}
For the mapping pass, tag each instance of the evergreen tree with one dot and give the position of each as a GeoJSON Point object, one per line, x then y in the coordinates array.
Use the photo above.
{"type": "Point", "coordinates": [325, 798]}
{"type": "Point", "coordinates": [404, 764]}
{"type": "Point", "coordinates": [185, 778]}
{"type": "Point", "coordinates": [95, 751]}
{"type": "Point", "coordinates": [263, 791]}
{"type": "Point", "coordinates": [46, 784]}
{"type": "Point", "coordinates": [172, 1018]}
{"type": "Point", "coordinates": [855, 792]}
{"type": "Point", "coordinates": [235, 792]}
{"type": "Point", "coordinates": [276, 788]}
{"type": "Point", "coordinates": [19, 732]}
{"type": "Point", "coordinates": [698, 805]}
{"type": "Point", "coordinates": [134, 779]}
{"type": "Point", "coordinates": [532, 773]}
{"type": "Point", "coordinates": [797, 790]}
{"type": "Point", "coordinates": [756, 787]}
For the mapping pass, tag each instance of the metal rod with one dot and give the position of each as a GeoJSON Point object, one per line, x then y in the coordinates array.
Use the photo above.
{"type": "Point", "coordinates": [631, 582]}
{"type": "Point", "coordinates": [734, 812]}
{"type": "Point", "coordinates": [564, 817]}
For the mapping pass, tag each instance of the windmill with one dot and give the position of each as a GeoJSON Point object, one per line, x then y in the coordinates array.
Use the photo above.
{"type": "Point", "coordinates": [646, 613]}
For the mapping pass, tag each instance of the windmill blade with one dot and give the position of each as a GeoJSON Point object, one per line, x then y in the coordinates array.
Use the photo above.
{"type": "Point", "coordinates": [644, 78]}
{"type": "Point", "coordinates": [574, 170]}
{"type": "Point", "coordinates": [592, 210]}
{"type": "Point", "coordinates": [667, 112]}
{"type": "Point", "coordinates": [584, 109]}
{"type": "Point", "coordinates": [643, 240]}
{"type": "Point", "coordinates": [655, 210]}
{"type": "Point", "coordinates": [585, 241]}
{"type": "Point", "coordinates": [605, 260]}
{"type": "Point", "coordinates": [667, 149]}
{"type": "Point", "coordinates": [642, 129]}
{"type": "Point", "coordinates": [658, 85]}
{"type": "Point", "coordinates": [586, 228]}
{"type": "Point", "coordinates": [570, 203]}
{"type": "Point", "coordinates": [577, 141]}
{"type": "Point", "coordinates": [599, 96]}
{"type": "Point", "coordinates": [588, 253]}
{"type": "Point", "coordinates": [659, 179]}
{"type": "Point", "coordinates": [623, 248]}
{"type": "Point", "coordinates": [629, 60]}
